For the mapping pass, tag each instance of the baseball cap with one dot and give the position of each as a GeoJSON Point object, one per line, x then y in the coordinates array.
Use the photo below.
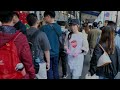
{"type": "Point", "coordinates": [74, 21]}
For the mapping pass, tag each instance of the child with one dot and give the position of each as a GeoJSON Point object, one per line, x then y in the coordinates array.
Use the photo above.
{"type": "Point", "coordinates": [76, 47]}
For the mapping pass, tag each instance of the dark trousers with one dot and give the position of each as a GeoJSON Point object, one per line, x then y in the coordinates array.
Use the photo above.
{"type": "Point", "coordinates": [53, 72]}
{"type": "Point", "coordinates": [63, 58]}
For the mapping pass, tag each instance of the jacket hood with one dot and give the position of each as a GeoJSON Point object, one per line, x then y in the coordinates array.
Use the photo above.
{"type": "Point", "coordinates": [7, 33]}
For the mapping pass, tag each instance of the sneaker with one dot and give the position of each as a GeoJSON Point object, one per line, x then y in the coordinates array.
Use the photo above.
{"type": "Point", "coordinates": [64, 76]}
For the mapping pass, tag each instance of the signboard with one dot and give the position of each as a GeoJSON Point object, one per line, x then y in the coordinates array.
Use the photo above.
{"type": "Point", "coordinates": [107, 15]}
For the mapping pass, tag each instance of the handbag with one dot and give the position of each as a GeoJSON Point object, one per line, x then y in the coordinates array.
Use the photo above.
{"type": "Point", "coordinates": [104, 58]}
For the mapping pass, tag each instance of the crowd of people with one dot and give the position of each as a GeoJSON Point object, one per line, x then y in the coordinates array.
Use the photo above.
{"type": "Point", "coordinates": [35, 52]}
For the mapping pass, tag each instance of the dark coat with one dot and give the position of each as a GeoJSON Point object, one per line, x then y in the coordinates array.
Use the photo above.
{"type": "Point", "coordinates": [108, 71]}
{"type": "Point", "coordinates": [20, 26]}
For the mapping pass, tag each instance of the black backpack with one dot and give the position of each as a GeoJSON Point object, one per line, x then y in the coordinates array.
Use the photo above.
{"type": "Point", "coordinates": [35, 49]}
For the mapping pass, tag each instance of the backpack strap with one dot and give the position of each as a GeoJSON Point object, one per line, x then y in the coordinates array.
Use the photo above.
{"type": "Point", "coordinates": [16, 36]}
{"type": "Point", "coordinates": [54, 29]}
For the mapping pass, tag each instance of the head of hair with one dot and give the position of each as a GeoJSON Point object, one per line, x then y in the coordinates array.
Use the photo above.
{"type": "Point", "coordinates": [84, 24]}
{"type": "Point", "coordinates": [15, 13]}
{"type": "Point", "coordinates": [6, 16]}
{"type": "Point", "coordinates": [95, 24]}
{"type": "Point", "coordinates": [86, 29]}
{"type": "Point", "coordinates": [90, 26]}
{"type": "Point", "coordinates": [50, 13]}
{"type": "Point", "coordinates": [100, 22]}
{"type": "Point", "coordinates": [70, 35]}
{"type": "Point", "coordinates": [61, 23]}
{"type": "Point", "coordinates": [106, 21]}
{"type": "Point", "coordinates": [111, 23]}
{"type": "Point", "coordinates": [31, 19]}
{"type": "Point", "coordinates": [107, 37]}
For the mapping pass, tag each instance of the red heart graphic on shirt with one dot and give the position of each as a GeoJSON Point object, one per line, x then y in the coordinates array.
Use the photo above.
{"type": "Point", "coordinates": [74, 43]}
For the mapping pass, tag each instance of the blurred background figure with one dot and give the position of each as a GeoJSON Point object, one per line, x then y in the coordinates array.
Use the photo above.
{"type": "Point", "coordinates": [108, 71]}
{"type": "Point", "coordinates": [105, 24]}
{"type": "Point", "coordinates": [62, 53]}
{"type": "Point", "coordinates": [18, 24]}
{"type": "Point", "coordinates": [93, 36]}
{"type": "Point", "coordinates": [99, 24]}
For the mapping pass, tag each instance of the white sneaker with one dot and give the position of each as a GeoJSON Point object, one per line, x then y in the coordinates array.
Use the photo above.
{"type": "Point", "coordinates": [65, 76]}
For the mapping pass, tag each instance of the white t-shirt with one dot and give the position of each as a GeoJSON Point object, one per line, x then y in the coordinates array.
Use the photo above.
{"type": "Point", "coordinates": [77, 43]}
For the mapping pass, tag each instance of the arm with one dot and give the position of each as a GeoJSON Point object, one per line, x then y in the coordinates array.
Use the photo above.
{"type": "Point", "coordinates": [47, 56]}
{"type": "Point", "coordinates": [93, 63]}
{"type": "Point", "coordinates": [85, 46]}
{"type": "Point", "coordinates": [88, 37]}
{"type": "Point", "coordinates": [66, 41]}
{"type": "Point", "coordinates": [46, 48]}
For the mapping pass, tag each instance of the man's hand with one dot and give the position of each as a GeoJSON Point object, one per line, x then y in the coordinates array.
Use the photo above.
{"type": "Point", "coordinates": [47, 66]}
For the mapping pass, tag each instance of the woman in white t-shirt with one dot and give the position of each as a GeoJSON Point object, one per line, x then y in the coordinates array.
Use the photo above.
{"type": "Point", "coordinates": [76, 48]}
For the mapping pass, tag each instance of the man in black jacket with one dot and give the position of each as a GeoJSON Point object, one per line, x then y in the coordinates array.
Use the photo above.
{"type": "Point", "coordinates": [18, 24]}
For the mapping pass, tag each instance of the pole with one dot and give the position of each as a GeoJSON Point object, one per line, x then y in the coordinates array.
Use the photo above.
{"type": "Point", "coordinates": [80, 17]}
{"type": "Point", "coordinates": [116, 20]}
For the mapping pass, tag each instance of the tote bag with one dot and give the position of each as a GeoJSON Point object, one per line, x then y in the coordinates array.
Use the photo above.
{"type": "Point", "coordinates": [104, 58]}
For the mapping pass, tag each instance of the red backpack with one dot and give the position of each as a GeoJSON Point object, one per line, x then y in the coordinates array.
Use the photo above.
{"type": "Point", "coordinates": [8, 61]}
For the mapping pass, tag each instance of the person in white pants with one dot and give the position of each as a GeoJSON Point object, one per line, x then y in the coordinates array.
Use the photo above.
{"type": "Point", "coordinates": [76, 47]}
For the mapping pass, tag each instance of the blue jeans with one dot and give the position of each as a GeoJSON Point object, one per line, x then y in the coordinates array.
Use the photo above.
{"type": "Point", "coordinates": [53, 72]}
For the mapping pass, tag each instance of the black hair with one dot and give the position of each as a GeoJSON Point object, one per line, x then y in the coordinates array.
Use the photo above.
{"type": "Point", "coordinates": [50, 13]}
{"type": "Point", "coordinates": [107, 37]}
{"type": "Point", "coordinates": [15, 13]}
{"type": "Point", "coordinates": [70, 35]}
{"type": "Point", "coordinates": [95, 24]}
{"type": "Point", "coordinates": [106, 21]}
{"type": "Point", "coordinates": [31, 19]}
{"type": "Point", "coordinates": [111, 23]}
{"type": "Point", "coordinates": [6, 16]}
{"type": "Point", "coordinates": [99, 22]}
{"type": "Point", "coordinates": [85, 24]}
{"type": "Point", "coordinates": [61, 23]}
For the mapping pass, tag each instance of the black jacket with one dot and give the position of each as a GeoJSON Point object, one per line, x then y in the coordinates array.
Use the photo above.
{"type": "Point", "coordinates": [108, 71]}
{"type": "Point", "coordinates": [20, 26]}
